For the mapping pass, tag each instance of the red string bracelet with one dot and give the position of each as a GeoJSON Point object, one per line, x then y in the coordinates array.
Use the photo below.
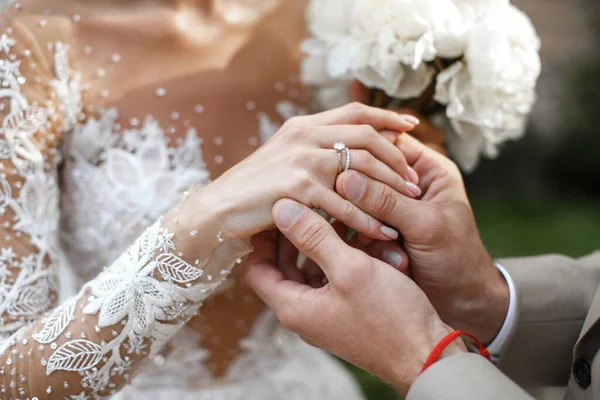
{"type": "Point", "coordinates": [451, 337]}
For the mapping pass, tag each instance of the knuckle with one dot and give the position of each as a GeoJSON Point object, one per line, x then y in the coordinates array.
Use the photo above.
{"type": "Point", "coordinates": [433, 228]}
{"type": "Point", "coordinates": [369, 131]}
{"type": "Point", "coordinates": [372, 226]}
{"type": "Point", "coordinates": [293, 121]}
{"type": "Point", "coordinates": [311, 240]}
{"type": "Point", "coordinates": [295, 131]}
{"type": "Point", "coordinates": [302, 182]}
{"type": "Point", "coordinates": [385, 201]}
{"type": "Point", "coordinates": [348, 210]}
{"type": "Point", "coordinates": [356, 108]}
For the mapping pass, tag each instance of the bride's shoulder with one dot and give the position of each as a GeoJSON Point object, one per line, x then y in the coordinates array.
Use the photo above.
{"type": "Point", "coordinates": [34, 70]}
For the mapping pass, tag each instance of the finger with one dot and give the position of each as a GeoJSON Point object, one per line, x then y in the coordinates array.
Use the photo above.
{"type": "Point", "coordinates": [415, 151]}
{"type": "Point", "coordinates": [390, 253]}
{"type": "Point", "coordinates": [390, 136]}
{"type": "Point", "coordinates": [359, 114]}
{"type": "Point", "coordinates": [287, 257]}
{"type": "Point", "coordinates": [365, 162]}
{"type": "Point", "coordinates": [429, 164]}
{"type": "Point", "coordinates": [362, 137]}
{"type": "Point", "coordinates": [382, 202]}
{"type": "Point", "coordinates": [312, 235]}
{"type": "Point", "coordinates": [271, 286]}
{"type": "Point", "coordinates": [352, 216]}
{"type": "Point", "coordinates": [410, 147]}
{"type": "Point", "coordinates": [426, 132]}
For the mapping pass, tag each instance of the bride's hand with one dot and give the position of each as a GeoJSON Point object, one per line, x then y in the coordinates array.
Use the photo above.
{"type": "Point", "coordinates": [299, 163]}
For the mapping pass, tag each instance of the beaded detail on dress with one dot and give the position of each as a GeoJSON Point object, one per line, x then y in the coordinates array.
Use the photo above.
{"type": "Point", "coordinates": [140, 301]}
{"type": "Point", "coordinates": [116, 179]}
{"type": "Point", "coordinates": [27, 286]}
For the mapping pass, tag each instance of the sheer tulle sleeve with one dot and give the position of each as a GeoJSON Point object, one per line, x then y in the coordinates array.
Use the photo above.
{"type": "Point", "coordinates": [91, 345]}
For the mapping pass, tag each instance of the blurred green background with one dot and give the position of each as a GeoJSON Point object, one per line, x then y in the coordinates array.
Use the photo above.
{"type": "Point", "coordinates": [543, 194]}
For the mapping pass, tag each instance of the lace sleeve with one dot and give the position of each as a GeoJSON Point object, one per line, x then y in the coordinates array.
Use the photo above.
{"type": "Point", "coordinates": [93, 344]}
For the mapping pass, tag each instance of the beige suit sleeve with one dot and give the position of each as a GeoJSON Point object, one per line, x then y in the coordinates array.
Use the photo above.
{"type": "Point", "coordinates": [465, 377]}
{"type": "Point", "coordinates": [554, 295]}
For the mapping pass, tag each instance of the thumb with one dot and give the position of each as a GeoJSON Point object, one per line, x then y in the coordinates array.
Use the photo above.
{"type": "Point", "coordinates": [312, 235]}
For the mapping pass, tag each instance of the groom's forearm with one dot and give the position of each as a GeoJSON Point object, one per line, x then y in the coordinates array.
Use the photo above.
{"type": "Point", "coordinates": [554, 296]}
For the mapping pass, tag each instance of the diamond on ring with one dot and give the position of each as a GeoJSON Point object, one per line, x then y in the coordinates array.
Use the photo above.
{"type": "Point", "coordinates": [339, 146]}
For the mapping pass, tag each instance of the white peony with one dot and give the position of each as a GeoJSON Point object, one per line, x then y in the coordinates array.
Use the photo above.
{"type": "Point", "coordinates": [384, 44]}
{"type": "Point", "coordinates": [491, 93]}
{"type": "Point", "coordinates": [489, 49]}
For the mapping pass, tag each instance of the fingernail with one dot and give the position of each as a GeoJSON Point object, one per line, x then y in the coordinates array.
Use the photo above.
{"type": "Point", "coordinates": [414, 189]}
{"type": "Point", "coordinates": [287, 213]}
{"type": "Point", "coordinates": [389, 232]}
{"type": "Point", "coordinates": [413, 176]}
{"type": "Point", "coordinates": [392, 257]}
{"type": "Point", "coordinates": [411, 119]}
{"type": "Point", "coordinates": [354, 186]}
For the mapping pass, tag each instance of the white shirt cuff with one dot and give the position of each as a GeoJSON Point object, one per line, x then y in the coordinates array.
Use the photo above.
{"type": "Point", "coordinates": [496, 347]}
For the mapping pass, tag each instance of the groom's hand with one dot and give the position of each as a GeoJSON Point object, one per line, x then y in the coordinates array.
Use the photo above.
{"type": "Point", "coordinates": [447, 257]}
{"type": "Point", "coordinates": [368, 313]}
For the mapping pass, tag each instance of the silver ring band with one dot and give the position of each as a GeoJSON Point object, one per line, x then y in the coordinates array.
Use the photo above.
{"type": "Point", "coordinates": [347, 166]}
{"type": "Point", "coordinates": [344, 165]}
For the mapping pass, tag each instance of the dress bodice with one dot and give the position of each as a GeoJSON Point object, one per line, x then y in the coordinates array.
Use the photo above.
{"type": "Point", "coordinates": [141, 112]}
{"type": "Point", "coordinates": [143, 138]}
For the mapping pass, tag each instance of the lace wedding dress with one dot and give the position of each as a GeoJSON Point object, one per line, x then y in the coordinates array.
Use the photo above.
{"type": "Point", "coordinates": [110, 114]}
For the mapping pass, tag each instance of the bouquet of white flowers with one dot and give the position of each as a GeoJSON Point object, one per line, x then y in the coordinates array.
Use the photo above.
{"type": "Point", "coordinates": [475, 61]}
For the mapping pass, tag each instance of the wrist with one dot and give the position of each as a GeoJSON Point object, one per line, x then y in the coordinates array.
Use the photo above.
{"type": "Point", "coordinates": [238, 215]}
{"type": "Point", "coordinates": [404, 374]}
{"type": "Point", "coordinates": [483, 310]}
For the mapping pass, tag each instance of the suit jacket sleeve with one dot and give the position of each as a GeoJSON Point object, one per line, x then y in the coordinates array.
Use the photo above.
{"type": "Point", "coordinates": [465, 377]}
{"type": "Point", "coordinates": [554, 295]}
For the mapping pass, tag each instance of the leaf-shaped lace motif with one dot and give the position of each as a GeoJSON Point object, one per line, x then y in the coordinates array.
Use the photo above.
{"type": "Point", "coordinates": [28, 121]}
{"type": "Point", "coordinates": [38, 203]}
{"type": "Point", "coordinates": [56, 324]}
{"type": "Point", "coordinates": [107, 286]}
{"type": "Point", "coordinates": [144, 317]}
{"type": "Point", "coordinates": [5, 193]}
{"type": "Point", "coordinates": [115, 307]}
{"type": "Point", "coordinates": [149, 239]}
{"type": "Point", "coordinates": [175, 269]}
{"type": "Point", "coordinates": [157, 293]}
{"type": "Point", "coordinates": [76, 355]}
{"type": "Point", "coordinates": [32, 300]}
